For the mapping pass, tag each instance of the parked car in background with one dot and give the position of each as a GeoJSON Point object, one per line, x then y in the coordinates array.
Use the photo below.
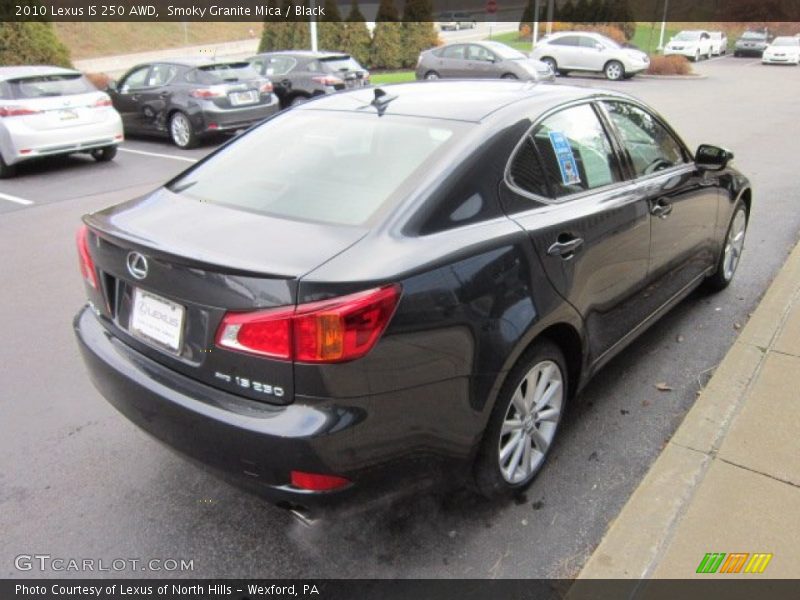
{"type": "Point", "coordinates": [752, 43]}
{"type": "Point", "coordinates": [383, 288]}
{"type": "Point", "coordinates": [784, 50]}
{"type": "Point", "coordinates": [719, 43]}
{"type": "Point", "coordinates": [585, 51]}
{"type": "Point", "coordinates": [299, 75]}
{"type": "Point", "coordinates": [186, 99]}
{"type": "Point", "coordinates": [693, 44]}
{"type": "Point", "coordinates": [453, 21]}
{"type": "Point", "coordinates": [480, 60]}
{"type": "Point", "coordinates": [47, 111]}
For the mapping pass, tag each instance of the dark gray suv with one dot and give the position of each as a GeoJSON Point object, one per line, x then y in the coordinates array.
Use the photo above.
{"type": "Point", "coordinates": [298, 76]}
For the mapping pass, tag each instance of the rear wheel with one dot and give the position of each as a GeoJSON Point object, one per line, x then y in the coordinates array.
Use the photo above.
{"type": "Point", "coordinates": [431, 76]}
{"type": "Point", "coordinates": [614, 71]}
{"type": "Point", "coordinates": [7, 171]}
{"type": "Point", "coordinates": [181, 131]}
{"type": "Point", "coordinates": [551, 62]}
{"type": "Point", "coordinates": [524, 422]}
{"type": "Point", "coordinates": [732, 251]}
{"type": "Point", "coordinates": [104, 154]}
{"type": "Point", "coordinates": [509, 76]}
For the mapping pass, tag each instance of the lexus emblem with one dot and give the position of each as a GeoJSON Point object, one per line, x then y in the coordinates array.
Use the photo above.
{"type": "Point", "coordinates": [137, 265]}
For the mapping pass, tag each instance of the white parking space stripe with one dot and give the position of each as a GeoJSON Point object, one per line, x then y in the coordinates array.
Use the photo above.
{"type": "Point", "coordinates": [15, 199]}
{"type": "Point", "coordinates": [158, 155]}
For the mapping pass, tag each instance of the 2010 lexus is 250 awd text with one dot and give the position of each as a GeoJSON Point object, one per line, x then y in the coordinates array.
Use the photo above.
{"type": "Point", "coordinates": [388, 286]}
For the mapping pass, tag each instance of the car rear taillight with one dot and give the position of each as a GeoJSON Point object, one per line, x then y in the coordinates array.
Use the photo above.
{"type": "Point", "coordinates": [316, 482]}
{"type": "Point", "coordinates": [85, 259]}
{"type": "Point", "coordinates": [335, 330]}
{"type": "Point", "coordinates": [17, 111]}
{"type": "Point", "coordinates": [266, 88]}
{"type": "Point", "coordinates": [328, 80]}
{"type": "Point", "coordinates": [206, 93]}
{"type": "Point", "coordinates": [101, 102]}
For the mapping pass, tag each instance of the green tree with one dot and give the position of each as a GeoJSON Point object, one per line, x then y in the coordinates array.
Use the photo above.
{"type": "Point", "coordinates": [583, 12]}
{"type": "Point", "coordinates": [527, 15]}
{"type": "Point", "coordinates": [30, 43]}
{"type": "Point", "coordinates": [418, 31]}
{"type": "Point", "coordinates": [356, 40]}
{"type": "Point", "coordinates": [566, 13]}
{"type": "Point", "coordinates": [330, 30]}
{"type": "Point", "coordinates": [270, 30]}
{"type": "Point", "coordinates": [386, 51]}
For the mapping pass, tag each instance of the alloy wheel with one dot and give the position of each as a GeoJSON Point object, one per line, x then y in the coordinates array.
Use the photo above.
{"type": "Point", "coordinates": [180, 129]}
{"type": "Point", "coordinates": [530, 422]}
{"type": "Point", "coordinates": [734, 245]}
{"type": "Point", "coordinates": [614, 71]}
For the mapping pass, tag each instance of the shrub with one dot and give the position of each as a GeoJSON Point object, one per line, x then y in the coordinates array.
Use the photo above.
{"type": "Point", "coordinates": [669, 65]}
{"type": "Point", "coordinates": [99, 80]}
{"type": "Point", "coordinates": [356, 40]}
{"type": "Point", "coordinates": [330, 29]}
{"type": "Point", "coordinates": [387, 46]}
{"type": "Point", "coordinates": [31, 43]}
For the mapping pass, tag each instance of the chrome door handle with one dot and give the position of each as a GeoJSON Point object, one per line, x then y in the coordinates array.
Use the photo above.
{"type": "Point", "coordinates": [565, 249]}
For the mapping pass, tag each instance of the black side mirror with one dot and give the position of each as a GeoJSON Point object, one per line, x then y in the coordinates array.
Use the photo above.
{"type": "Point", "coordinates": [712, 158]}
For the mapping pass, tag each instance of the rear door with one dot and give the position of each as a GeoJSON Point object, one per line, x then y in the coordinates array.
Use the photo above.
{"type": "Point", "coordinates": [589, 227]}
{"type": "Point", "coordinates": [683, 203]}
{"type": "Point", "coordinates": [454, 61]}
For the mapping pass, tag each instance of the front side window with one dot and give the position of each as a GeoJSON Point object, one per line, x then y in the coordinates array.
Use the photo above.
{"type": "Point", "coordinates": [279, 65]}
{"type": "Point", "coordinates": [480, 53]}
{"type": "Point", "coordinates": [136, 80]}
{"type": "Point", "coordinates": [651, 147]}
{"type": "Point", "coordinates": [161, 75]}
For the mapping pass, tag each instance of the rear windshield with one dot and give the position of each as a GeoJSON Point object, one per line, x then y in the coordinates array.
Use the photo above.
{"type": "Point", "coordinates": [340, 64]}
{"type": "Point", "coordinates": [786, 41]}
{"type": "Point", "coordinates": [324, 166]}
{"type": "Point", "coordinates": [45, 86]}
{"type": "Point", "coordinates": [753, 35]}
{"type": "Point", "coordinates": [505, 52]}
{"type": "Point", "coordinates": [225, 72]}
{"type": "Point", "coordinates": [687, 36]}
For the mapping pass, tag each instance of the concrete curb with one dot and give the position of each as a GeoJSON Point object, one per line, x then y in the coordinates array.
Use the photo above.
{"type": "Point", "coordinates": [695, 77]}
{"type": "Point", "coordinates": [638, 538]}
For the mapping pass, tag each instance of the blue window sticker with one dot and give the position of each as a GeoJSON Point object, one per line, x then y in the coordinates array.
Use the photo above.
{"type": "Point", "coordinates": [565, 157]}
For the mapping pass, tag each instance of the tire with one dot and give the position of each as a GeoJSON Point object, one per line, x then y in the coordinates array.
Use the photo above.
{"type": "Point", "coordinates": [509, 76]}
{"type": "Point", "coordinates": [697, 56]}
{"type": "Point", "coordinates": [614, 70]}
{"type": "Point", "coordinates": [736, 54]}
{"type": "Point", "coordinates": [494, 470]}
{"type": "Point", "coordinates": [181, 131]}
{"type": "Point", "coordinates": [731, 251]}
{"type": "Point", "coordinates": [431, 76]}
{"type": "Point", "coordinates": [105, 154]}
{"type": "Point", "coordinates": [7, 171]}
{"type": "Point", "coordinates": [551, 62]}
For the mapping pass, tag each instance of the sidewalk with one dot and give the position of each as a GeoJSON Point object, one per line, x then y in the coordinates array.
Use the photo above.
{"type": "Point", "coordinates": [729, 479]}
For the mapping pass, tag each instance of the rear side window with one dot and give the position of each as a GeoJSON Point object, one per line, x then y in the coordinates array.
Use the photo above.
{"type": "Point", "coordinates": [323, 166]}
{"type": "Point", "coordinates": [225, 73]}
{"type": "Point", "coordinates": [651, 147]}
{"type": "Point", "coordinates": [45, 86]}
{"type": "Point", "coordinates": [456, 52]}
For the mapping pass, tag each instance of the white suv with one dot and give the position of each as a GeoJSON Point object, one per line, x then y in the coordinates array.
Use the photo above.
{"type": "Point", "coordinates": [693, 44]}
{"type": "Point", "coordinates": [584, 51]}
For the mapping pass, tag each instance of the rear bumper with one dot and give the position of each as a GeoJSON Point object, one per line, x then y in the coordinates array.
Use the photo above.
{"type": "Point", "coordinates": [212, 118]}
{"type": "Point", "coordinates": [253, 444]}
{"type": "Point", "coordinates": [18, 142]}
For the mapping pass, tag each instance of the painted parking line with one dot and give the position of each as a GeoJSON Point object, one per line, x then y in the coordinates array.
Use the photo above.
{"type": "Point", "coordinates": [159, 155]}
{"type": "Point", "coordinates": [16, 199]}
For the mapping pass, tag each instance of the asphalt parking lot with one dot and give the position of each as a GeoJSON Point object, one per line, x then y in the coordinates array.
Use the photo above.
{"type": "Point", "coordinates": [79, 481]}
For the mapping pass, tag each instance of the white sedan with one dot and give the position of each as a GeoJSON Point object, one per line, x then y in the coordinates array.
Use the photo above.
{"type": "Point", "coordinates": [783, 50]}
{"type": "Point", "coordinates": [50, 110]}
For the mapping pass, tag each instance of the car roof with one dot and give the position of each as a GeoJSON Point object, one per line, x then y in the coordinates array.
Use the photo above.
{"type": "Point", "coordinates": [193, 61]}
{"type": "Point", "coordinates": [7, 73]}
{"type": "Point", "coordinates": [303, 53]}
{"type": "Point", "coordinates": [457, 100]}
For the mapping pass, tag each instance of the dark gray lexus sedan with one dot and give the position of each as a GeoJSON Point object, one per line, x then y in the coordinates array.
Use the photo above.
{"type": "Point", "coordinates": [412, 288]}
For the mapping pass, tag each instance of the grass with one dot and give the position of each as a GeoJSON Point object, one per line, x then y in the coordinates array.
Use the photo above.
{"type": "Point", "coordinates": [384, 77]}
{"type": "Point", "coordinates": [647, 35]}
{"type": "Point", "coordinates": [511, 38]}
{"type": "Point", "coordinates": [91, 40]}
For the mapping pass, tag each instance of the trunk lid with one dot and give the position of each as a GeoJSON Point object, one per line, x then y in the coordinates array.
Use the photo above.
{"type": "Point", "coordinates": [203, 260]}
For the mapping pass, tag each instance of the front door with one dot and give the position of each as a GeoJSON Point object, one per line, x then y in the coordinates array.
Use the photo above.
{"type": "Point", "coordinates": [683, 202]}
{"type": "Point", "coordinates": [127, 95]}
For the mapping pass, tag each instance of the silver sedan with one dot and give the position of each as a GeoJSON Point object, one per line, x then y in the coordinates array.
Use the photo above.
{"type": "Point", "coordinates": [49, 110]}
{"type": "Point", "coordinates": [480, 60]}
